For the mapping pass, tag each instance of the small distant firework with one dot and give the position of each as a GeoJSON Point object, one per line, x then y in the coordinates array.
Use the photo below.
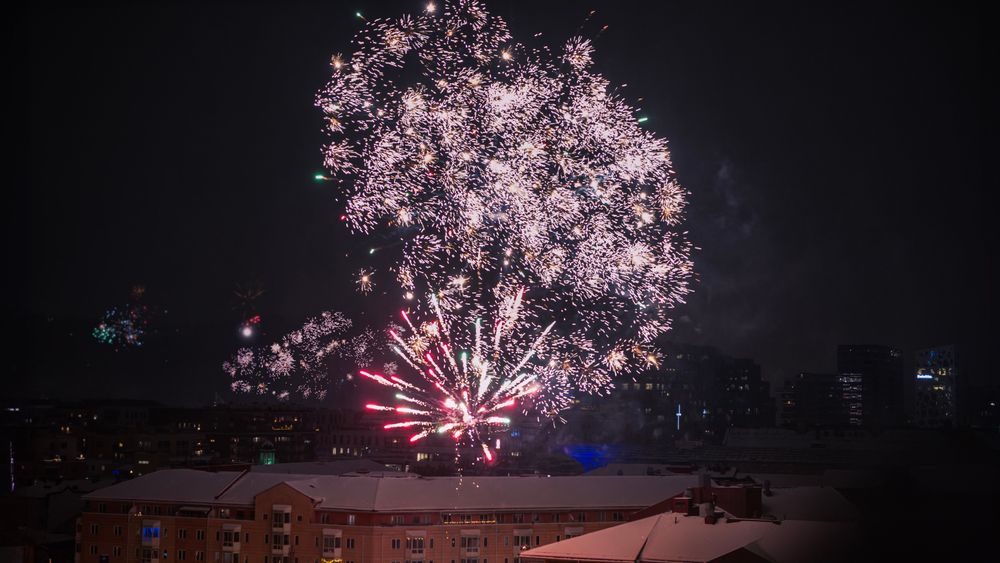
{"type": "Point", "coordinates": [121, 327]}
{"type": "Point", "coordinates": [296, 365]}
{"type": "Point", "coordinates": [501, 166]}
{"type": "Point", "coordinates": [126, 326]}
{"type": "Point", "coordinates": [471, 374]}
{"type": "Point", "coordinates": [248, 328]}
{"type": "Point", "coordinates": [137, 292]}
{"type": "Point", "coordinates": [245, 298]}
{"type": "Point", "coordinates": [365, 281]}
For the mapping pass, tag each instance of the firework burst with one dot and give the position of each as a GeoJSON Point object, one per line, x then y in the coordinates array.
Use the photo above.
{"type": "Point", "coordinates": [128, 326]}
{"type": "Point", "coordinates": [508, 167]}
{"type": "Point", "coordinates": [364, 281]}
{"type": "Point", "coordinates": [471, 375]}
{"type": "Point", "coordinates": [296, 364]}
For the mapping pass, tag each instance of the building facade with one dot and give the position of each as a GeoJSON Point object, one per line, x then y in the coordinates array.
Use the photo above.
{"type": "Point", "coordinates": [936, 387]}
{"type": "Point", "coordinates": [880, 372]}
{"type": "Point", "coordinates": [251, 517]}
{"type": "Point", "coordinates": [822, 400]}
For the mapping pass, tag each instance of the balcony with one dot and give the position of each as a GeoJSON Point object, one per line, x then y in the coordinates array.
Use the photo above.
{"type": "Point", "coordinates": [231, 538]}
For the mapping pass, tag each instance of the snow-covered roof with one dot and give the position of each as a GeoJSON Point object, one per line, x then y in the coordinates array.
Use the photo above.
{"type": "Point", "coordinates": [810, 503]}
{"type": "Point", "coordinates": [169, 485]}
{"type": "Point", "coordinates": [667, 538]}
{"type": "Point", "coordinates": [619, 544]}
{"type": "Point", "coordinates": [406, 493]}
{"type": "Point", "coordinates": [633, 469]}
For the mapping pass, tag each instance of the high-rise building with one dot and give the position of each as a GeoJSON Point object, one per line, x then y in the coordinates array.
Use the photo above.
{"type": "Point", "coordinates": [822, 400]}
{"type": "Point", "coordinates": [936, 387]}
{"type": "Point", "coordinates": [880, 371]}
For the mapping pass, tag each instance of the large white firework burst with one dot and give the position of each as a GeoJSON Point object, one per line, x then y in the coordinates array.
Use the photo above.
{"type": "Point", "coordinates": [509, 167]}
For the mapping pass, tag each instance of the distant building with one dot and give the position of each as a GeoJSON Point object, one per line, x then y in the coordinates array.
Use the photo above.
{"type": "Point", "coordinates": [936, 387]}
{"type": "Point", "coordinates": [880, 369]}
{"type": "Point", "coordinates": [231, 517]}
{"type": "Point", "coordinates": [822, 400]}
{"type": "Point", "coordinates": [698, 392]}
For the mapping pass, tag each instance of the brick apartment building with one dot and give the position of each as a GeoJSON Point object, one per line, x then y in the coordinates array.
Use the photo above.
{"type": "Point", "coordinates": [252, 517]}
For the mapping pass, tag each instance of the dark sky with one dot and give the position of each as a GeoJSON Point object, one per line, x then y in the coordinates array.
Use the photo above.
{"type": "Point", "coordinates": [834, 153]}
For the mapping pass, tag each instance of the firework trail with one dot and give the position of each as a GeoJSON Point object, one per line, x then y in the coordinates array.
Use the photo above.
{"type": "Point", "coordinates": [470, 374]}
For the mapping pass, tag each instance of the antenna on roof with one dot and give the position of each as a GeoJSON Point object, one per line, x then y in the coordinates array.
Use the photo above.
{"type": "Point", "coordinates": [231, 483]}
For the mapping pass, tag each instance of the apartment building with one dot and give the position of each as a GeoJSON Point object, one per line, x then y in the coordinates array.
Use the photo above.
{"type": "Point", "coordinates": [253, 517]}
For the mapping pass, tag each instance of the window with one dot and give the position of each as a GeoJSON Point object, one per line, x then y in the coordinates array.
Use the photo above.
{"type": "Point", "coordinates": [352, 519]}
{"type": "Point", "coordinates": [279, 519]}
{"type": "Point", "coordinates": [93, 549]}
{"type": "Point", "coordinates": [181, 555]}
{"type": "Point", "coordinates": [118, 530]}
{"type": "Point", "coordinates": [182, 533]}
{"type": "Point", "coordinates": [331, 542]}
{"type": "Point", "coordinates": [396, 520]}
{"type": "Point", "coordinates": [199, 534]}
{"type": "Point", "coordinates": [395, 543]}
{"type": "Point", "coordinates": [150, 532]}
{"type": "Point", "coordinates": [199, 556]}
{"type": "Point", "coordinates": [229, 537]}
{"type": "Point", "coordinates": [350, 543]}
{"type": "Point", "coordinates": [618, 516]}
{"type": "Point", "coordinates": [522, 541]}
{"type": "Point", "coordinates": [415, 544]}
{"type": "Point", "coordinates": [117, 550]}
{"type": "Point", "coordinates": [93, 529]}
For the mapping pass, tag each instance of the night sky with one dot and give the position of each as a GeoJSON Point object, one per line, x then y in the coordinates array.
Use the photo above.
{"type": "Point", "coordinates": [834, 153]}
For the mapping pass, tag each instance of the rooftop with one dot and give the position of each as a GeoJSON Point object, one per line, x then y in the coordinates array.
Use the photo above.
{"type": "Point", "coordinates": [671, 538]}
{"type": "Point", "coordinates": [388, 493]}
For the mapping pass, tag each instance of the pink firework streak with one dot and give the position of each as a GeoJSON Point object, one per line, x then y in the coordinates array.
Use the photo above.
{"type": "Point", "coordinates": [463, 394]}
